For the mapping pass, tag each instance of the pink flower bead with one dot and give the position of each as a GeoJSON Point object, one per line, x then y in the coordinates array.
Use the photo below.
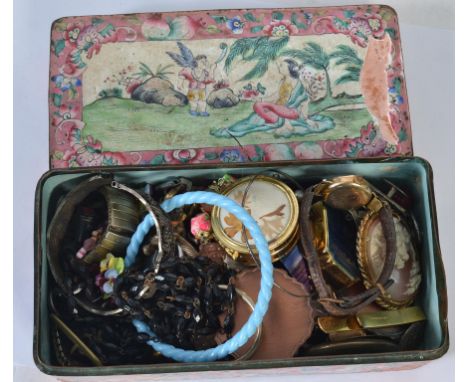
{"type": "Point", "coordinates": [200, 225]}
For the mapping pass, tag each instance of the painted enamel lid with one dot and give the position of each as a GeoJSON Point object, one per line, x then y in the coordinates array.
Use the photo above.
{"type": "Point", "coordinates": [179, 88]}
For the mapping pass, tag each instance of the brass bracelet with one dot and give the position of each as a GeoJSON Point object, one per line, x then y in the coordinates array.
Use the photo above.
{"type": "Point", "coordinates": [62, 327]}
{"type": "Point", "coordinates": [258, 333]}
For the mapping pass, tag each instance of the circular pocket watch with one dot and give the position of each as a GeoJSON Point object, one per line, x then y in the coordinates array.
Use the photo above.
{"type": "Point", "coordinates": [275, 208]}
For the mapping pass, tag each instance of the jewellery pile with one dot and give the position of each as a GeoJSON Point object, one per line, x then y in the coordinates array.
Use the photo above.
{"type": "Point", "coordinates": [235, 268]}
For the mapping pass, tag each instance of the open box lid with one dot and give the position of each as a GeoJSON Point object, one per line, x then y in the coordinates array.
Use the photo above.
{"type": "Point", "coordinates": [227, 85]}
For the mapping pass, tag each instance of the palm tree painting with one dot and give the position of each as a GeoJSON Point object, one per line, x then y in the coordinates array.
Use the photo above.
{"type": "Point", "coordinates": [261, 50]}
{"type": "Point", "coordinates": [312, 96]}
{"type": "Point", "coordinates": [346, 55]}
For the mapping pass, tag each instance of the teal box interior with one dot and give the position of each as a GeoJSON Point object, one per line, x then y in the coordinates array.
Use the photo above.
{"type": "Point", "coordinates": [414, 174]}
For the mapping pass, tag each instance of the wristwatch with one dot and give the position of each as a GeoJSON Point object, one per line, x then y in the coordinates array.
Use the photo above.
{"type": "Point", "coordinates": [347, 193]}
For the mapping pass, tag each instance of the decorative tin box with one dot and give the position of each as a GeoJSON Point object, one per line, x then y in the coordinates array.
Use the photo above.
{"type": "Point", "coordinates": [315, 92]}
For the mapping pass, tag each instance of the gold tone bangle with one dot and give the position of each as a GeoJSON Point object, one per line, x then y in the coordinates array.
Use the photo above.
{"type": "Point", "coordinates": [258, 333]}
{"type": "Point", "coordinates": [286, 236]}
{"type": "Point", "coordinates": [76, 340]}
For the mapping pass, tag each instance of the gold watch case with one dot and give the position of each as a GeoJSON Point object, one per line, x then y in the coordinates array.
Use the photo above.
{"type": "Point", "coordinates": [407, 270]}
{"type": "Point", "coordinates": [346, 192]}
{"type": "Point", "coordinates": [275, 208]}
{"type": "Point", "coordinates": [333, 255]}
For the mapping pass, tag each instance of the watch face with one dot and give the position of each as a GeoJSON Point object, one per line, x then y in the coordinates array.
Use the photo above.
{"type": "Point", "coordinates": [348, 195]}
{"type": "Point", "coordinates": [270, 202]}
{"type": "Point", "coordinates": [406, 273]}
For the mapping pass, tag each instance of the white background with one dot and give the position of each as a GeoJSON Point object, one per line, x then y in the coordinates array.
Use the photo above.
{"type": "Point", "coordinates": [427, 29]}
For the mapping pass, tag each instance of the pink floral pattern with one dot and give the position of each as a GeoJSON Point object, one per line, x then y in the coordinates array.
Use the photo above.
{"type": "Point", "coordinates": [280, 28]}
{"type": "Point", "coordinates": [357, 27]}
{"type": "Point", "coordinates": [78, 39]}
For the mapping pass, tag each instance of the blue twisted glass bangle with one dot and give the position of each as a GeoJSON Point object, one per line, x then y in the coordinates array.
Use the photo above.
{"type": "Point", "coordinates": [266, 282]}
